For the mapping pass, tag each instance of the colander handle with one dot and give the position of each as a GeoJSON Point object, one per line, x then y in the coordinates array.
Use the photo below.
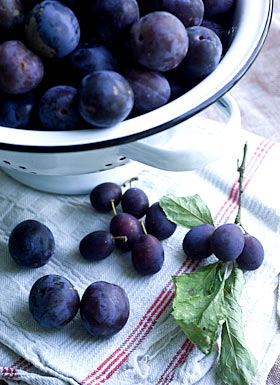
{"type": "Point", "coordinates": [191, 144]}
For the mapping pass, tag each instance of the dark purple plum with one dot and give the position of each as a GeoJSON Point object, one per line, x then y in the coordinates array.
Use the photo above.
{"type": "Point", "coordinates": [204, 54]}
{"type": "Point", "coordinates": [97, 245]}
{"type": "Point", "coordinates": [92, 57]}
{"type": "Point", "coordinates": [217, 7]}
{"type": "Point", "coordinates": [101, 196]}
{"type": "Point", "coordinates": [159, 41]}
{"type": "Point", "coordinates": [17, 111]}
{"type": "Point", "coordinates": [147, 255]}
{"type": "Point", "coordinates": [11, 14]}
{"type": "Point", "coordinates": [252, 255]}
{"type": "Point", "coordinates": [196, 243]}
{"type": "Point", "coordinates": [104, 309]}
{"type": "Point", "coordinates": [151, 90]}
{"type": "Point", "coordinates": [105, 98]}
{"type": "Point", "coordinates": [31, 244]}
{"type": "Point", "coordinates": [58, 109]}
{"type": "Point", "coordinates": [135, 202]}
{"type": "Point", "coordinates": [53, 301]}
{"type": "Point", "coordinates": [52, 29]}
{"type": "Point", "coordinates": [157, 224]}
{"type": "Point", "coordinates": [227, 242]}
{"type": "Point", "coordinates": [177, 88]}
{"type": "Point", "coordinates": [124, 224]}
{"type": "Point", "coordinates": [20, 69]}
{"type": "Point", "coordinates": [113, 18]}
{"type": "Point", "coordinates": [219, 29]}
{"type": "Point", "coordinates": [190, 12]}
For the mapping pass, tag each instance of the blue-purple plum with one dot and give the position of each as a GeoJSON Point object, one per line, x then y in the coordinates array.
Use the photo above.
{"type": "Point", "coordinates": [147, 255]}
{"type": "Point", "coordinates": [58, 109]}
{"type": "Point", "coordinates": [113, 19]}
{"type": "Point", "coordinates": [217, 7]}
{"type": "Point", "coordinates": [159, 41]}
{"type": "Point", "coordinates": [252, 255]}
{"type": "Point", "coordinates": [104, 309]}
{"type": "Point", "coordinates": [125, 225]}
{"type": "Point", "coordinates": [151, 90]}
{"type": "Point", "coordinates": [196, 243]}
{"type": "Point", "coordinates": [157, 224]}
{"type": "Point", "coordinates": [105, 98]}
{"type": "Point", "coordinates": [102, 195]}
{"type": "Point", "coordinates": [135, 202]}
{"type": "Point", "coordinates": [11, 14]}
{"type": "Point", "coordinates": [31, 244]}
{"type": "Point", "coordinates": [17, 111]}
{"type": "Point", "coordinates": [227, 242]}
{"type": "Point", "coordinates": [20, 69]}
{"type": "Point", "coordinates": [97, 245]}
{"type": "Point", "coordinates": [52, 29]}
{"type": "Point", "coordinates": [53, 301]}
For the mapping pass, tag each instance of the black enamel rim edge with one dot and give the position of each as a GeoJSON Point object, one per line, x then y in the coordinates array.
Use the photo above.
{"type": "Point", "coordinates": [154, 130]}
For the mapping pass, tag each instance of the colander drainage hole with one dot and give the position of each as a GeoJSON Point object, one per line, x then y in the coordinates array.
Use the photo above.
{"type": "Point", "coordinates": [5, 161]}
{"type": "Point", "coordinates": [108, 165]}
{"type": "Point", "coordinates": [22, 167]}
{"type": "Point", "coordinates": [123, 158]}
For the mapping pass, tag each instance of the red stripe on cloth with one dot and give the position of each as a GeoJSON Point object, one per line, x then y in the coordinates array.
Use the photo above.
{"type": "Point", "coordinates": [147, 328]}
{"type": "Point", "coordinates": [260, 157]}
{"type": "Point", "coordinates": [21, 363]}
{"type": "Point", "coordinates": [235, 187]}
{"type": "Point", "coordinates": [167, 370]}
{"type": "Point", "coordinates": [9, 373]}
{"type": "Point", "coordinates": [180, 361]}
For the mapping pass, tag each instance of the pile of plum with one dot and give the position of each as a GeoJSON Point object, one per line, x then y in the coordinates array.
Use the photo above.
{"type": "Point", "coordinates": [74, 64]}
{"type": "Point", "coordinates": [104, 307]}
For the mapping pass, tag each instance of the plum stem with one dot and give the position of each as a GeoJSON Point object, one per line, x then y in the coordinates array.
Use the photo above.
{"type": "Point", "coordinates": [113, 206]}
{"type": "Point", "coordinates": [121, 238]}
{"type": "Point", "coordinates": [130, 181]}
{"type": "Point", "coordinates": [241, 170]}
{"type": "Point", "coordinates": [143, 227]}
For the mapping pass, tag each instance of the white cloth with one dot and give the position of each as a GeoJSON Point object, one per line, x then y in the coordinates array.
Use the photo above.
{"type": "Point", "coordinates": [151, 349]}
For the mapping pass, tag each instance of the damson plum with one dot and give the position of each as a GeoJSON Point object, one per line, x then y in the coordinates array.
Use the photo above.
{"type": "Point", "coordinates": [216, 7]}
{"type": "Point", "coordinates": [151, 90]}
{"type": "Point", "coordinates": [113, 18]}
{"type": "Point", "coordinates": [101, 196]}
{"type": "Point", "coordinates": [92, 57]}
{"type": "Point", "coordinates": [219, 29]}
{"type": "Point", "coordinates": [252, 255]}
{"type": "Point", "coordinates": [157, 224]}
{"type": "Point", "coordinates": [53, 301]}
{"type": "Point", "coordinates": [159, 41]}
{"type": "Point", "coordinates": [147, 255]}
{"type": "Point", "coordinates": [20, 69]}
{"type": "Point", "coordinates": [31, 244]}
{"type": "Point", "coordinates": [97, 245]}
{"type": "Point", "coordinates": [105, 98]}
{"type": "Point", "coordinates": [11, 14]}
{"type": "Point", "coordinates": [124, 224]}
{"type": "Point", "coordinates": [17, 111]}
{"type": "Point", "coordinates": [58, 108]}
{"type": "Point", "coordinates": [190, 12]}
{"type": "Point", "coordinates": [135, 202]}
{"type": "Point", "coordinates": [227, 242]}
{"type": "Point", "coordinates": [104, 309]}
{"type": "Point", "coordinates": [196, 243]}
{"type": "Point", "coordinates": [52, 29]}
{"type": "Point", "coordinates": [204, 54]}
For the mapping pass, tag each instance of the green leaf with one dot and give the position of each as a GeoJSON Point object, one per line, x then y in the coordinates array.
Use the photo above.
{"type": "Point", "coordinates": [198, 305]}
{"type": "Point", "coordinates": [237, 365]}
{"type": "Point", "coordinates": [187, 211]}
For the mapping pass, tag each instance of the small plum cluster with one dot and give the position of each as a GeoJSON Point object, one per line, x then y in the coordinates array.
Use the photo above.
{"type": "Point", "coordinates": [227, 242]}
{"type": "Point", "coordinates": [76, 64]}
{"type": "Point", "coordinates": [126, 231]}
{"type": "Point", "coordinates": [53, 300]}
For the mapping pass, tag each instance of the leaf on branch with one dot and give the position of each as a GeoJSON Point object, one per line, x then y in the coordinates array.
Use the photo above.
{"type": "Point", "coordinates": [237, 365]}
{"type": "Point", "coordinates": [198, 305]}
{"type": "Point", "coordinates": [187, 211]}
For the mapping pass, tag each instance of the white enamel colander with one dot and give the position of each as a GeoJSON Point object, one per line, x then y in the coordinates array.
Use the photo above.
{"type": "Point", "coordinates": [172, 137]}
